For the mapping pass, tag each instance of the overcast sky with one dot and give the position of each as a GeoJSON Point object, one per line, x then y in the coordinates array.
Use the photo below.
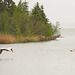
{"type": "Point", "coordinates": [57, 10]}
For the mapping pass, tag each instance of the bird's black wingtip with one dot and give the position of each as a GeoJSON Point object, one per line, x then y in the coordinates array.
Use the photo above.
{"type": "Point", "coordinates": [71, 51]}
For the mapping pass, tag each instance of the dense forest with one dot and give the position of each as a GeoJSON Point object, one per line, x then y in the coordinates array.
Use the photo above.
{"type": "Point", "coordinates": [17, 20]}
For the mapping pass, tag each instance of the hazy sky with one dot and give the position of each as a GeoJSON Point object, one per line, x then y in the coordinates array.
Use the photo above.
{"type": "Point", "coordinates": [57, 10]}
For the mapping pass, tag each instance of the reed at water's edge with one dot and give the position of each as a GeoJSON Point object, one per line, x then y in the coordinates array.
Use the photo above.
{"type": "Point", "coordinates": [5, 38]}
{"type": "Point", "coordinates": [8, 39]}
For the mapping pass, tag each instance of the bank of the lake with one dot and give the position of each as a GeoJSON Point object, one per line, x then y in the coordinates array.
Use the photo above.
{"type": "Point", "coordinates": [8, 39]}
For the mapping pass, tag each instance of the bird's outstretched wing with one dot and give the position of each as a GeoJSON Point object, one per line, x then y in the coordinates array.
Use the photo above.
{"type": "Point", "coordinates": [1, 51]}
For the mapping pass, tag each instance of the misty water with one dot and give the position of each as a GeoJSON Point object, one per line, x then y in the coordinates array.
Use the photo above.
{"type": "Point", "coordinates": [41, 58]}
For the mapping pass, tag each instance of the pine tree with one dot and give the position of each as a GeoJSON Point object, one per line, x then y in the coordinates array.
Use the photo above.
{"type": "Point", "coordinates": [20, 19]}
{"type": "Point", "coordinates": [43, 16]}
{"type": "Point", "coordinates": [7, 4]}
{"type": "Point", "coordinates": [38, 13]}
{"type": "Point", "coordinates": [1, 6]}
{"type": "Point", "coordinates": [25, 4]}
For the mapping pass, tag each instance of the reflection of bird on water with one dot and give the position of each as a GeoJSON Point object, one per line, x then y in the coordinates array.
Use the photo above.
{"type": "Point", "coordinates": [72, 50]}
{"type": "Point", "coordinates": [6, 49]}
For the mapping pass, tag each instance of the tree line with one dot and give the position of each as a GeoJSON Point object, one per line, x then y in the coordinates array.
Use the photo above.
{"type": "Point", "coordinates": [18, 20]}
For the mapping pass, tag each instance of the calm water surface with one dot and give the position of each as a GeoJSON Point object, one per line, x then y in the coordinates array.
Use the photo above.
{"type": "Point", "coordinates": [42, 58]}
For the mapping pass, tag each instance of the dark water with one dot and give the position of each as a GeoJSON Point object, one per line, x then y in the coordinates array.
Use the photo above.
{"type": "Point", "coordinates": [42, 58]}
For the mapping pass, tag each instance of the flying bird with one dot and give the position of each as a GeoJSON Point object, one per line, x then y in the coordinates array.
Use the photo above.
{"type": "Point", "coordinates": [72, 50]}
{"type": "Point", "coordinates": [6, 49]}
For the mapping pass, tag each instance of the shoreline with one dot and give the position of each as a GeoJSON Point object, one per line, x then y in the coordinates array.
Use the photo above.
{"type": "Point", "coordinates": [10, 39]}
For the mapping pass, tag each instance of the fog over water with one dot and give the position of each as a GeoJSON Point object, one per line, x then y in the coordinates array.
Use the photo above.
{"type": "Point", "coordinates": [41, 58]}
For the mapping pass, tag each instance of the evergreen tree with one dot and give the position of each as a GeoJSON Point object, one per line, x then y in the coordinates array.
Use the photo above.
{"type": "Point", "coordinates": [43, 16]}
{"type": "Point", "coordinates": [39, 21]}
{"type": "Point", "coordinates": [38, 13]}
{"type": "Point", "coordinates": [1, 5]}
{"type": "Point", "coordinates": [25, 4]}
{"type": "Point", "coordinates": [4, 22]}
{"type": "Point", "coordinates": [9, 6]}
{"type": "Point", "coordinates": [20, 20]}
